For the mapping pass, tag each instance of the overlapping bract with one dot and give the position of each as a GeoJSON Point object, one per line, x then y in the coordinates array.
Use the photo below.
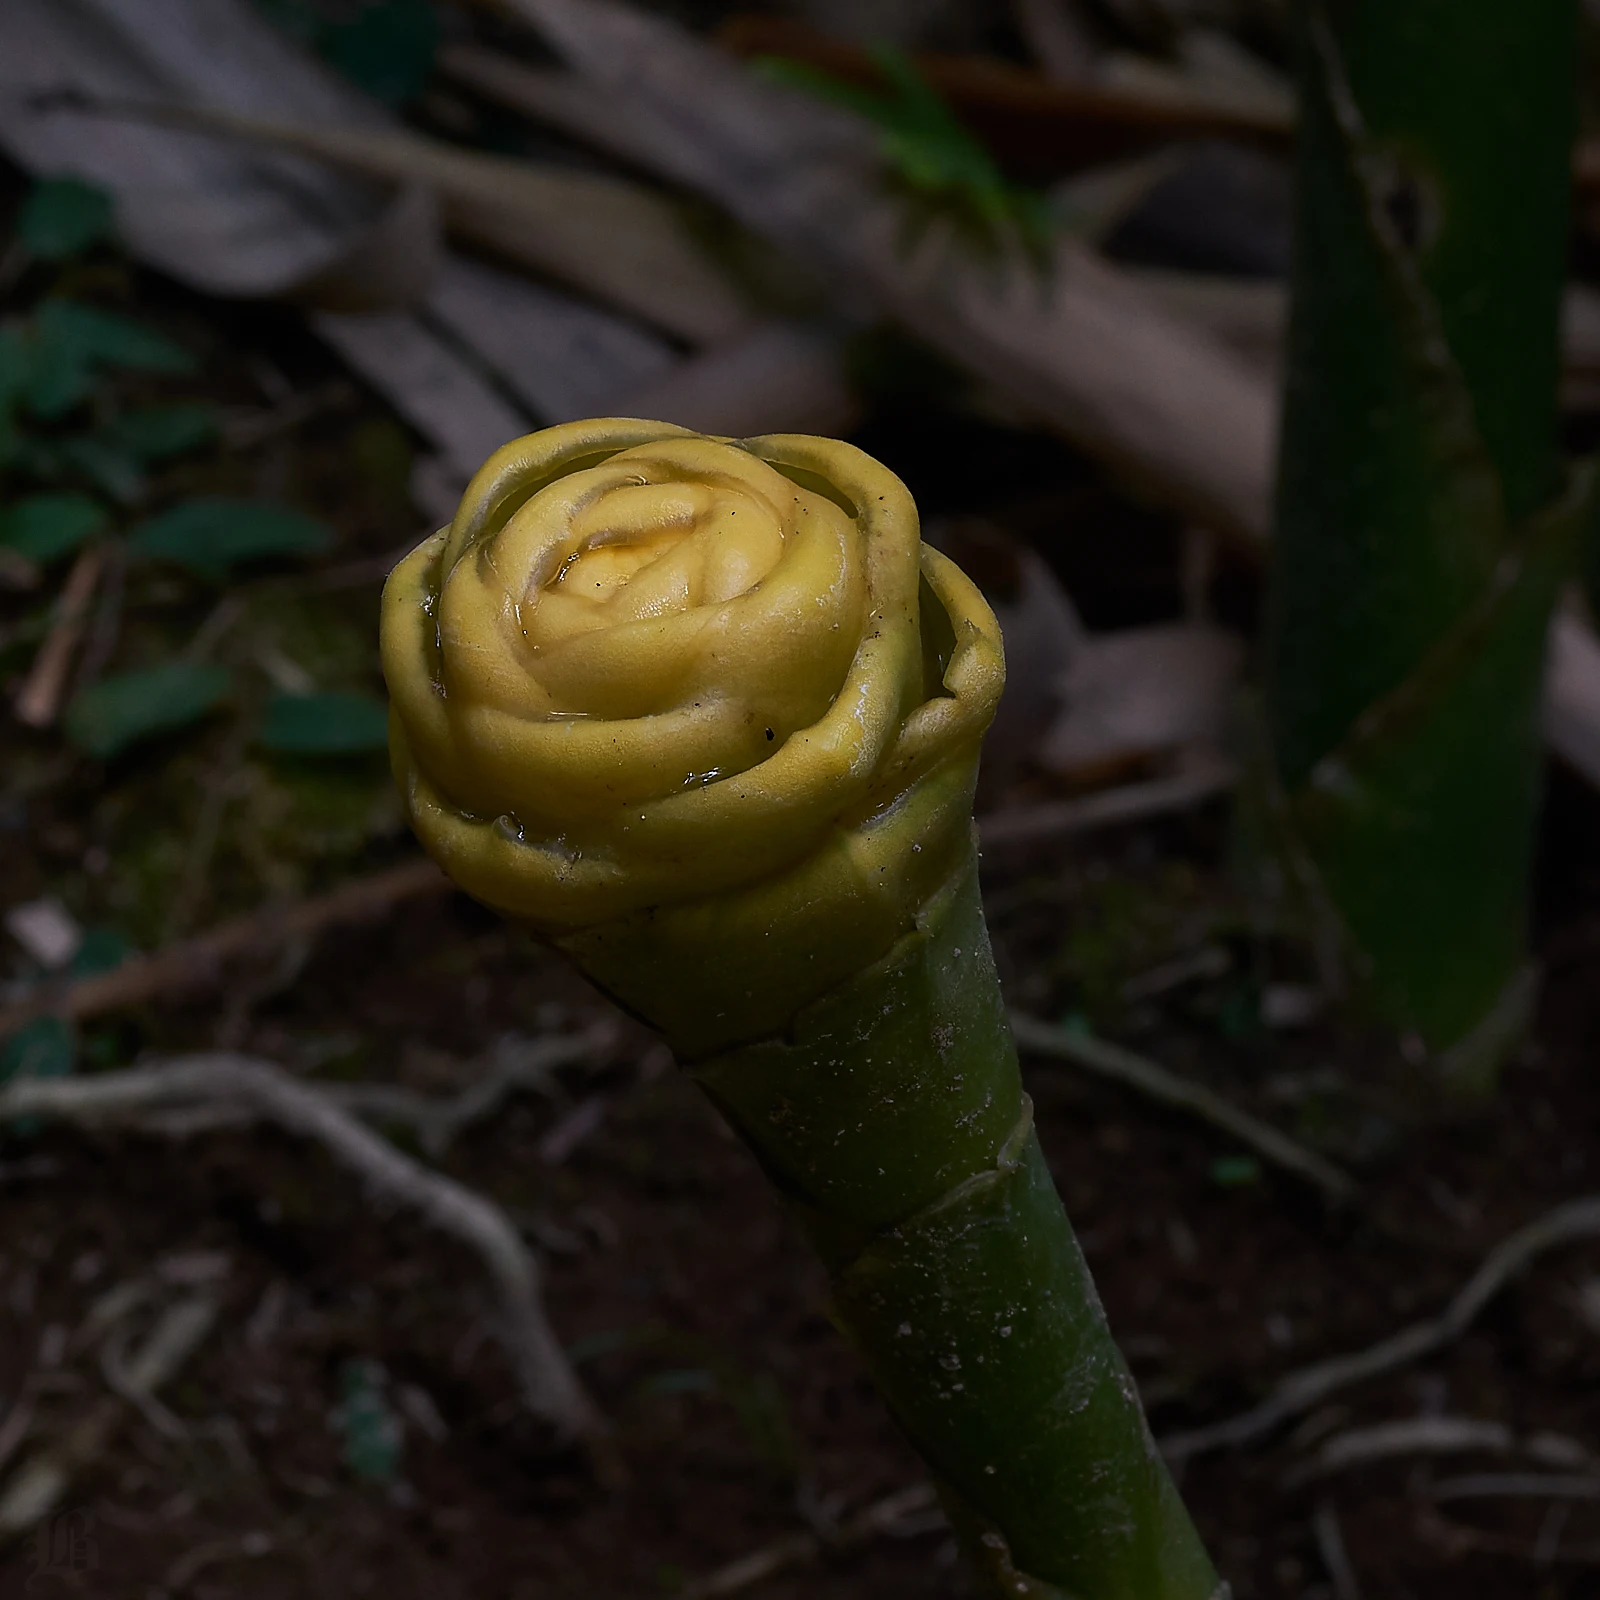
{"type": "Point", "coordinates": [643, 666]}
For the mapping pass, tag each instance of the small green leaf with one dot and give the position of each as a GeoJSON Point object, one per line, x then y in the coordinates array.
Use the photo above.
{"type": "Point", "coordinates": [374, 1436]}
{"type": "Point", "coordinates": [16, 365]}
{"type": "Point", "coordinates": [931, 153]}
{"type": "Point", "coordinates": [110, 339]}
{"type": "Point", "coordinates": [611, 1340]}
{"type": "Point", "coordinates": [121, 710]}
{"type": "Point", "coordinates": [1234, 1172]}
{"type": "Point", "coordinates": [386, 48]}
{"type": "Point", "coordinates": [63, 217]}
{"type": "Point", "coordinates": [72, 343]}
{"type": "Point", "coordinates": [297, 18]}
{"type": "Point", "coordinates": [43, 1048]}
{"type": "Point", "coordinates": [104, 462]}
{"type": "Point", "coordinates": [1239, 1011]}
{"type": "Point", "coordinates": [47, 1047]}
{"type": "Point", "coordinates": [67, 344]}
{"type": "Point", "coordinates": [681, 1380]}
{"type": "Point", "coordinates": [45, 527]}
{"type": "Point", "coordinates": [102, 950]}
{"type": "Point", "coordinates": [157, 433]}
{"type": "Point", "coordinates": [325, 724]}
{"type": "Point", "coordinates": [212, 534]}
{"type": "Point", "coordinates": [59, 379]}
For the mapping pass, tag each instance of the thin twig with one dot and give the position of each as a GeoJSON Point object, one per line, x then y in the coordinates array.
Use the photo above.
{"type": "Point", "coordinates": [246, 428]}
{"type": "Point", "coordinates": [1571, 1223]}
{"type": "Point", "coordinates": [1330, 1546]}
{"type": "Point", "coordinates": [38, 702]}
{"type": "Point", "coordinates": [1548, 1544]}
{"type": "Point", "coordinates": [1516, 1486]}
{"type": "Point", "coordinates": [904, 1513]}
{"type": "Point", "coordinates": [1166, 1088]}
{"type": "Point", "coordinates": [103, 629]}
{"type": "Point", "coordinates": [518, 1066]}
{"type": "Point", "coordinates": [549, 1386]}
{"type": "Point", "coordinates": [247, 991]}
{"type": "Point", "coordinates": [193, 1562]}
{"type": "Point", "coordinates": [42, 1481]}
{"type": "Point", "coordinates": [1456, 1539]}
{"type": "Point", "coordinates": [18, 1420]}
{"type": "Point", "coordinates": [1053, 819]}
{"type": "Point", "coordinates": [122, 1381]}
{"type": "Point", "coordinates": [219, 787]}
{"type": "Point", "coordinates": [1412, 1436]}
{"type": "Point", "coordinates": [199, 962]}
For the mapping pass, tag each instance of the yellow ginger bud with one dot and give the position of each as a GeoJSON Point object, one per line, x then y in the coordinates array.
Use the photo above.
{"type": "Point", "coordinates": [648, 674]}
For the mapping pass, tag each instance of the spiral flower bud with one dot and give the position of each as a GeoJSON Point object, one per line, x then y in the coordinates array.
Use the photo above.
{"type": "Point", "coordinates": [644, 669]}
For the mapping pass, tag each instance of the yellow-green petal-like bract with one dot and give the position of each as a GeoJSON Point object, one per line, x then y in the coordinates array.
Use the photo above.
{"type": "Point", "coordinates": [644, 669]}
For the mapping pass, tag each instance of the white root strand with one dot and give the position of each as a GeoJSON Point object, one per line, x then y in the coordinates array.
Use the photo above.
{"type": "Point", "coordinates": [517, 1066]}
{"type": "Point", "coordinates": [549, 1386]}
{"type": "Point", "coordinates": [1571, 1223]}
{"type": "Point", "coordinates": [1166, 1088]}
{"type": "Point", "coordinates": [904, 1514]}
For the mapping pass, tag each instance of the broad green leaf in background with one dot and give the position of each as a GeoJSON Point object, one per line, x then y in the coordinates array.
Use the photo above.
{"type": "Point", "coordinates": [45, 527]}
{"type": "Point", "coordinates": [325, 724]}
{"type": "Point", "coordinates": [121, 710]}
{"type": "Point", "coordinates": [69, 344]}
{"type": "Point", "coordinates": [211, 534]}
{"type": "Point", "coordinates": [157, 433]}
{"type": "Point", "coordinates": [63, 217]}
{"type": "Point", "coordinates": [1423, 535]}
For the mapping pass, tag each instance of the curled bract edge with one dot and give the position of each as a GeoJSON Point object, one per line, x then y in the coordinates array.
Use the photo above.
{"type": "Point", "coordinates": [645, 670]}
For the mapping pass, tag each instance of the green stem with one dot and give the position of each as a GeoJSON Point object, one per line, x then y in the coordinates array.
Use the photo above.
{"type": "Point", "coordinates": [1421, 535]}
{"type": "Point", "coordinates": [891, 1116]}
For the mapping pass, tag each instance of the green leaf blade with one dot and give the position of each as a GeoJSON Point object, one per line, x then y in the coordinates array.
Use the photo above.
{"type": "Point", "coordinates": [62, 218]}
{"type": "Point", "coordinates": [386, 48]}
{"type": "Point", "coordinates": [16, 365]}
{"type": "Point", "coordinates": [332, 724]}
{"type": "Point", "coordinates": [45, 527]}
{"type": "Point", "coordinates": [212, 534]}
{"type": "Point", "coordinates": [108, 339]}
{"type": "Point", "coordinates": [158, 433]}
{"type": "Point", "coordinates": [131, 707]}
{"type": "Point", "coordinates": [43, 1048]}
{"type": "Point", "coordinates": [104, 464]}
